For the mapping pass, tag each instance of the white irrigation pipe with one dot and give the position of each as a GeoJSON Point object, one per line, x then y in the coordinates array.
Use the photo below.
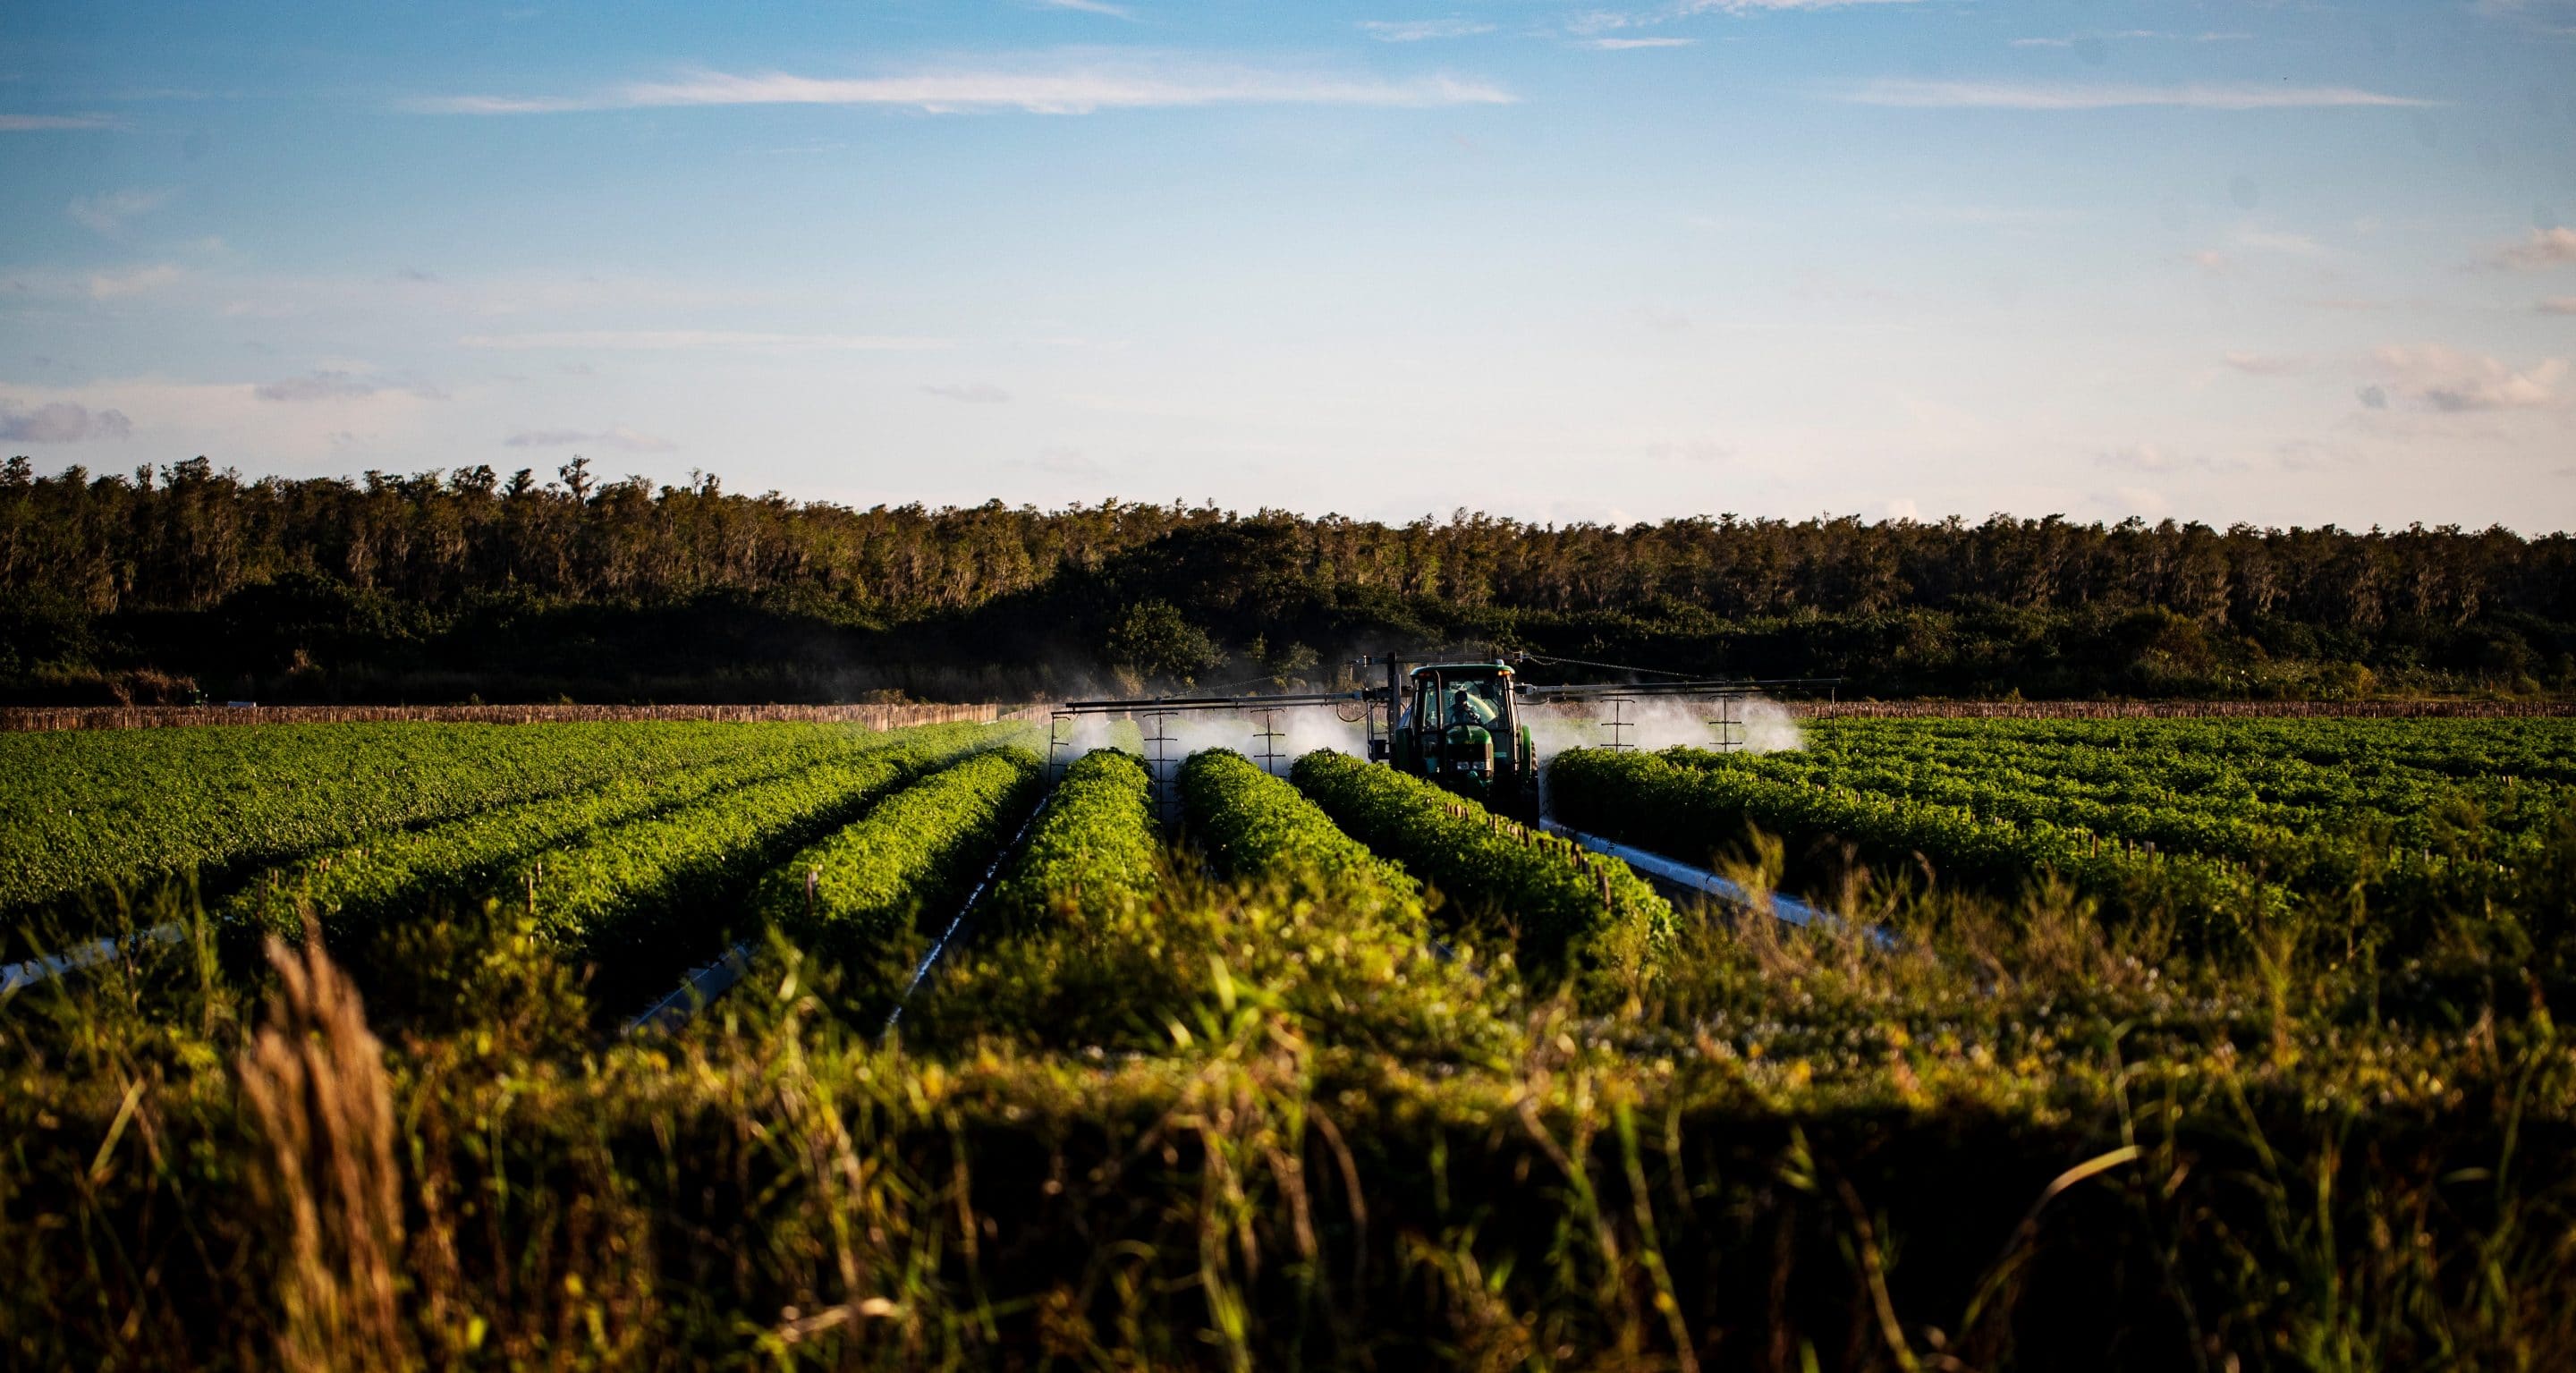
{"type": "Point", "coordinates": [46, 966]}
{"type": "Point", "coordinates": [1682, 875]}
{"type": "Point", "coordinates": [700, 987]}
{"type": "Point", "coordinates": [973, 898]}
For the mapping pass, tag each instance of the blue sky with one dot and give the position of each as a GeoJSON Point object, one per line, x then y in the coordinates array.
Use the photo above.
{"type": "Point", "coordinates": [2277, 262]}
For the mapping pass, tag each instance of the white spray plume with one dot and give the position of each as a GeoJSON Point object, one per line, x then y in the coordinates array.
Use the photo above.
{"type": "Point", "coordinates": [1302, 730]}
{"type": "Point", "coordinates": [1652, 723]}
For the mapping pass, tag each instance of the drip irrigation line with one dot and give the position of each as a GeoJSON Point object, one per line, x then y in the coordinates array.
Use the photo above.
{"type": "Point", "coordinates": [1683, 875]}
{"type": "Point", "coordinates": [965, 911]}
{"type": "Point", "coordinates": [701, 986]}
{"type": "Point", "coordinates": [44, 967]}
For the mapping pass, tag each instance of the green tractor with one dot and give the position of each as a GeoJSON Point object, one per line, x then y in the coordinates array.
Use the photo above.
{"type": "Point", "coordinates": [1458, 725]}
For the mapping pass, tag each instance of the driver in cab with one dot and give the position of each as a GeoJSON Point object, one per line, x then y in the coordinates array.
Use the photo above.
{"type": "Point", "coordinates": [1465, 708]}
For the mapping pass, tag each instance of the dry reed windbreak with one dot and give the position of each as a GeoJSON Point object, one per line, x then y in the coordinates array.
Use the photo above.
{"type": "Point", "coordinates": [2427, 709]}
{"type": "Point", "coordinates": [27, 718]}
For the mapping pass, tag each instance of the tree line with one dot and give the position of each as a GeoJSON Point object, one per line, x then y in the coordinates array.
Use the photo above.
{"type": "Point", "coordinates": [466, 583]}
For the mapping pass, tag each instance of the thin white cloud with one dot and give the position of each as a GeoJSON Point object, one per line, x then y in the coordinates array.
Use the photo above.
{"type": "Point", "coordinates": [2451, 382]}
{"type": "Point", "coordinates": [61, 422]}
{"type": "Point", "coordinates": [336, 385]}
{"type": "Point", "coordinates": [115, 285]}
{"type": "Point", "coordinates": [2149, 457]}
{"type": "Point", "coordinates": [1090, 7]}
{"type": "Point", "coordinates": [970, 393]}
{"type": "Point", "coordinates": [1627, 44]}
{"type": "Point", "coordinates": [615, 436]}
{"type": "Point", "coordinates": [2544, 249]}
{"type": "Point", "coordinates": [1082, 88]}
{"type": "Point", "coordinates": [1755, 6]}
{"type": "Point", "coordinates": [38, 123]}
{"type": "Point", "coordinates": [317, 386]}
{"type": "Point", "coordinates": [2045, 95]}
{"type": "Point", "coordinates": [2274, 241]}
{"type": "Point", "coordinates": [1421, 30]}
{"type": "Point", "coordinates": [1991, 216]}
{"type": "Point", "coordinates": [2557, 305]}
{"type": "Point", "coordinates": [107, 211]}
{"type": "Point", "coordinates": [2266, 364]}
{"type": "Point", "coordinates": [2211, 37]}
{"type": "Point", "coordinates": [672, 340]}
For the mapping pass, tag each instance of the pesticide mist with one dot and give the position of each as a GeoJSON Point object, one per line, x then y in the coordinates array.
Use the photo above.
{"type": "Point", "coordinates": [1756, 726]}
{"type": "Point", "coordinates": [1751, 725]}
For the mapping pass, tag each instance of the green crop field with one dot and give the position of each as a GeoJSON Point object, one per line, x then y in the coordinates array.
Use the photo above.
{"type": "Point", "coordinates": [2132, 1044]}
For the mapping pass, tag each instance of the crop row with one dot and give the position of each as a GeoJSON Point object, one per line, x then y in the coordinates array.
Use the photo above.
{"type": "Point", "coordinates": [122, 807]}
{"type": "Point", "coordinates": [396, 873]}
{"type": "Point", "coordinates": [1691, 813]}
{"type": "Point", "coordinates": [1095, 848]}
{"type": "Point", "coordinates": [620, 895]}
{"type": "Point", "coordinates": [852, 893]}
{"type": "Point", "coordinates": [1572, 910]}
{"type": "Point", "coordinates": [2186, 772]}
{"type": "Point", "coordinates": [1255, 827]}
{"type": "Point", "coordinates": [1307, 934]}
{"type": "Point", "coordinates": [1682, 807]}
{"type": "Point", "coordinates": [1992, 802]}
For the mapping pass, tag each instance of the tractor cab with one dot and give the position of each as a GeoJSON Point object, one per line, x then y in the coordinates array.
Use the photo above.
{"type": "Point", "coordinates": [1456, 724]}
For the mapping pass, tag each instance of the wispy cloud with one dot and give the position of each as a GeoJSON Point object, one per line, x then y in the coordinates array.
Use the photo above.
{"type": "Point", "coordinates": [1420, 30]}
{"type": "Point", "coordinates": [1089, 7]}
{"type": "Point", "coordinates": [1608, 21]}
{"type": "Point", "coordinates": [2557, 305]}
{"type": "Point", "coordinates": [61, 422]}
{"type": "Point", "coordinates": [1991, 216]}
{"type": "Point", "coordinates": [2019, 95]}
{"type": "Point", "coordinates": [38, 123]}
{"type": "Point", "coordinates": [107, 211]}
{"type": "Point", "coordinates": [2149, 457]}
{"type": "Point", "coordinates": [337, 385]}
{"type": "Point", "coordinates": [115, 285]}
{"type": "Point", "coordinates": [317, 386]}
{"type": "Point", "coordinates": [1061, 88]}
{"type": "Point", "coordinates": [2545, 248]}
{"type": "Point", "coordinates": [2210, 37]}
{"type": "Point", "coordinates": [2266, 364]}
{"type": "Point", "coordinates": [671, 340]}
{"type": "Point", "coordinates": [2451, 382]}
{"type": "Point", "coordinates": [1755, 6]}
{"type": "Point", "coordinates": [1626, 44]}
{"type": "Point", "coordinates": [2275, 241]}
{"type": "Point", "coordinates": [970, 393]}
{"type": "Point", "coordinates": [615, 436]}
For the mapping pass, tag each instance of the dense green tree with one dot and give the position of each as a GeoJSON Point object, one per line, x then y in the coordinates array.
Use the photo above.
{"type": "Point", "coordinates": [437, 584]}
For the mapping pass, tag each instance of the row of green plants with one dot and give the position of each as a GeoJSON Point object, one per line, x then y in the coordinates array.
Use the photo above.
{"type": "Point", "coordinates": [88, 807]}
{"type": "Point", "coordinates": [396, 873]}
{"type": "Point", "coordinates": [1675, 805]}
{"type": "Point", "coordinates": [2408, 775]}
{"type": "Point", "coordinates": [859, 894]}
{"type": "Point", "coordinates": [2166, 824]}
{"type": "Point", "coordinates": [643, 898]}
{"type": "Point", "coordinates": [1236, 1129]}
{"type": "Point", "coordinates": [1108, 942]}
{"type": "Point", "coordinates": [1253, 826]}
{"type": "Point", "coordinates": [1096, 846]}
{"type": "Point", "coordinates": [1570, 912]}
